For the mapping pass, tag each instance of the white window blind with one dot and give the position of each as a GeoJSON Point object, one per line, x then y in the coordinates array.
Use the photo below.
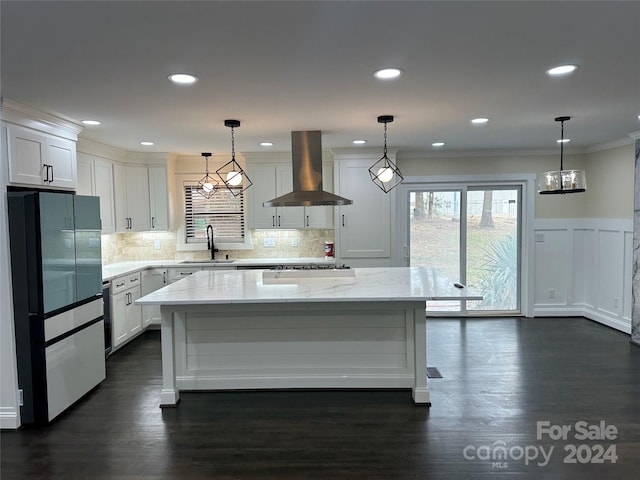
{"type": "Point", "coordinates": [223, 211]}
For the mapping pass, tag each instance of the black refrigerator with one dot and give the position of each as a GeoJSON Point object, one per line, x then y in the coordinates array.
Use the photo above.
{"type": "Point", "coordinates": [56, 270]}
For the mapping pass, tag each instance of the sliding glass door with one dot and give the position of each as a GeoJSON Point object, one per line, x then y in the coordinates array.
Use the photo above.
{"type": "Point", "coordinates": [472, 234]}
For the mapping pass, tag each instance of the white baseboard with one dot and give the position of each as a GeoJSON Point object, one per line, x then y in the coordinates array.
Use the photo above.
{"type": "Point", "coordinates": [622, 325]}
{"type": "Point", "coordinates": [9, 419]}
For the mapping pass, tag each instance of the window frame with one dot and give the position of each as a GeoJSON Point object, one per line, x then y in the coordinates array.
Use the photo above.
{"type": "Point", "coordinates": [181, 240]}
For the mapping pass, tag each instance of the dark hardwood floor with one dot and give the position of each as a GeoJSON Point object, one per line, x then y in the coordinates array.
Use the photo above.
{"type": "Point", "coordinates": [500, 377]}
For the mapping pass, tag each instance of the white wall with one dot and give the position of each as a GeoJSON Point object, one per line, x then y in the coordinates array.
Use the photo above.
{"type": "Point", "coordinates": [583, 243]}
{"type": "Point", "coordinates": [583, 267]}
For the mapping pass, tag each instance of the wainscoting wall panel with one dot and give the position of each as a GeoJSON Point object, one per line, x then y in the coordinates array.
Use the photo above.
{"type": "Point", "coordinates": [583, 267]}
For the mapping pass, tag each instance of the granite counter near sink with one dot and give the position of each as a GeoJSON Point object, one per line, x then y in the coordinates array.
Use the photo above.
{"type": "Point", "coordinates": [113, 270]}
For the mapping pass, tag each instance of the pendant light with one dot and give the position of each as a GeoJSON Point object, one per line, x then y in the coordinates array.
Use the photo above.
{"type": "Point", "coordinates": [561, 181]}
{"type": "Point", "coordinates": [231, 173]}
{"type": "Point", "coordinates": [207, 185]}
{"type": "Point", "coordinates": [384, 173]}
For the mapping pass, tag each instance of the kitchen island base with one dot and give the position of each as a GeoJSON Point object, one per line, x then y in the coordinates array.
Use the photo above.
{"type": "Point", "coordinates": [365, 345]}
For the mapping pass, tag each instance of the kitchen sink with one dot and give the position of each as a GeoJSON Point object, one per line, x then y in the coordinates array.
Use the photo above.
{"type": "Point", "coordinates": [206, 261]}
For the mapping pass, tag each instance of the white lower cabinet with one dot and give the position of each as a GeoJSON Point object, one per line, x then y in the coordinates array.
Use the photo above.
{"type": "Point", "coordinates": [126, 316]}
{"type": "Point", "coordinates": [152, 280]}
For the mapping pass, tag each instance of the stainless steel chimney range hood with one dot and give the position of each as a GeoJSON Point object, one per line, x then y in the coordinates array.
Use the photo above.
{"type": "Point", "coordinates": [306, 152]}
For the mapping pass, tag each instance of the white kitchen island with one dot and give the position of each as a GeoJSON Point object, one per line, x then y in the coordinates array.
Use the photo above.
{"type": "Point", "coordinates": [363, 328]}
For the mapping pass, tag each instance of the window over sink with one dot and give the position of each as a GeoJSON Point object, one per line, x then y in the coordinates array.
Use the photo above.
{"type": "Point", "coordinates": [224, 211]}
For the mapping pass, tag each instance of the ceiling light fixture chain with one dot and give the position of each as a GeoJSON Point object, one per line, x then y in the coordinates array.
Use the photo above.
{"type": "Point", "coordinates": [232, 175]}
{"type": "Point", "coordinates": [384, 173]}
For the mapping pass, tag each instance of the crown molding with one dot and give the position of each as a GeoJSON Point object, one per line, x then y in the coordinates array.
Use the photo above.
{"type": "Point", "coordinates": [422, 154]}
{"type": "Point", "coordinates": [98, 149]}
{"type": "Point", "coordinates": [47, 122]}
{"type": "Point", "coordinates": [621, 142]}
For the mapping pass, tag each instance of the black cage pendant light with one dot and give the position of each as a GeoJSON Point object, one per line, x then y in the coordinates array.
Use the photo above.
{"type": "Point", "coordinates": [384, 173]}
{"type": "Point", "coordinates": [231, 173]}
{"type": "Point", "coordinates": [561, 181]}
{"type": "Point", "coordinates": [207, 185]}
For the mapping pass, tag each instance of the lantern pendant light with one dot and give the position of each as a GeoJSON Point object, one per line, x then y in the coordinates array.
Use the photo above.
{"type": "Point", "coordinates": [384, 173]}
{"type": "Point", "coordinates": [207, 185]}
{"type": "Point", "coordinates": [231, 173]}
{"type": "Point", "coordinates": [561, 181]}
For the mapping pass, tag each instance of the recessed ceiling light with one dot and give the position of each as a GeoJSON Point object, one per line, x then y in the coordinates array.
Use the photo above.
{"type": "Point", "coordinates": [437, 144]}
{"type": "Point", "coordinates": [359, 142]}
{"type": "Point", "coordinates": [563, 140]}
{"type": "Point", "coordinates": [91, 122]}
{"type": "Point", "coordinates": [182, 78]}
{"type": "Point", "coordinates": [266, 144]}
{"type": "Point", "coordinates": [147, 144]}
{"type": "Point", "coordinates": [561, 70]}
{"type": "Point", "coordinates": [480, 121]}
{"type": "Point", "coordinates": [387, 73]}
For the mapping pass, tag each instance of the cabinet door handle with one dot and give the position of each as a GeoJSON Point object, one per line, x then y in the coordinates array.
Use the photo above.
{"type": "Point", "coordinates": [46, 172]}
{"type": "Point", "coordinates": [51, 167]}
{"type": "Point", "coordinates": [273, 221]}
{"type": "Point", "coordinates": [164, 277]}
{"type": "Point", "coordinates": [343, 220]}
{"type": "Point", "coordinates": [307, 220]}
{"type": "Point", "coordinates": [153, 222]}
{"type": "Point", "coordinates": [278, 220]}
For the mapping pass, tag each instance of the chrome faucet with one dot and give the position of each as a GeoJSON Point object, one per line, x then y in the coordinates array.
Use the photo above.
{"type": "Point", "coordinates": [210, 245]}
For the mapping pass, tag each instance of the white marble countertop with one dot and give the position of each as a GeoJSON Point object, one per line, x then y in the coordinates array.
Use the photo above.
{"type": "Point", "coordinates": [210, 287]}
{"type": "Point", "coordinates": [113, 270]}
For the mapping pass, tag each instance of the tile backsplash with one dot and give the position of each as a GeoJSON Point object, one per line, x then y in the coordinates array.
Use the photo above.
{"type": "Point", "coordinates": [121, 247]}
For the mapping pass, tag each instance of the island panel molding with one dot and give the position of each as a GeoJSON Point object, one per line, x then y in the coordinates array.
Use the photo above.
{"type": "Point", "coordinates": [229, 330]}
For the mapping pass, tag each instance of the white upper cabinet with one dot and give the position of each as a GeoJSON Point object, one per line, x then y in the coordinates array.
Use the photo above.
{"type": "Point", "coordinates": [321, 217]}
{"type": "Point", "coordinates": [131, 187]}
{"type": "Point", "coordinates": [364, 228]}
{"type": "Point", "coordinates": [37, 158]}
{"type": "Point", "coordinates": [158, 198]}
{"type": "Point", "coordinates": [95, 177]}
{"type": "Point", "coordinates": [271, 180]}
{"type": "Point", "coordinates": [86, 175]}
{"type": "Point", "coordinates": [103, 174]}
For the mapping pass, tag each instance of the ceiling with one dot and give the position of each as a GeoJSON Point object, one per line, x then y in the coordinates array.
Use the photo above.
{"type": "Point", "coordinates": [305, 65]}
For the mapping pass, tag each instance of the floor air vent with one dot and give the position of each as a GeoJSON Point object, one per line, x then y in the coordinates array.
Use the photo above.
{"type": "Point", "coordinates": [433, 372]}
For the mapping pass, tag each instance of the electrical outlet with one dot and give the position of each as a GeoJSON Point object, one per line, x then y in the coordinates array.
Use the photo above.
{"type": "Point", "coordinates": [269, 242]}
{"type": "Point", "coordinates": [294, 241]}
{"type": "Point", "coordinates": [20, 398]}
{"type": "Point", "coordinates": [156, 244]}
{"type": "Point", "coordinates": [539, 237]}
{"type": "Point", "coordinates": [552, 293]}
